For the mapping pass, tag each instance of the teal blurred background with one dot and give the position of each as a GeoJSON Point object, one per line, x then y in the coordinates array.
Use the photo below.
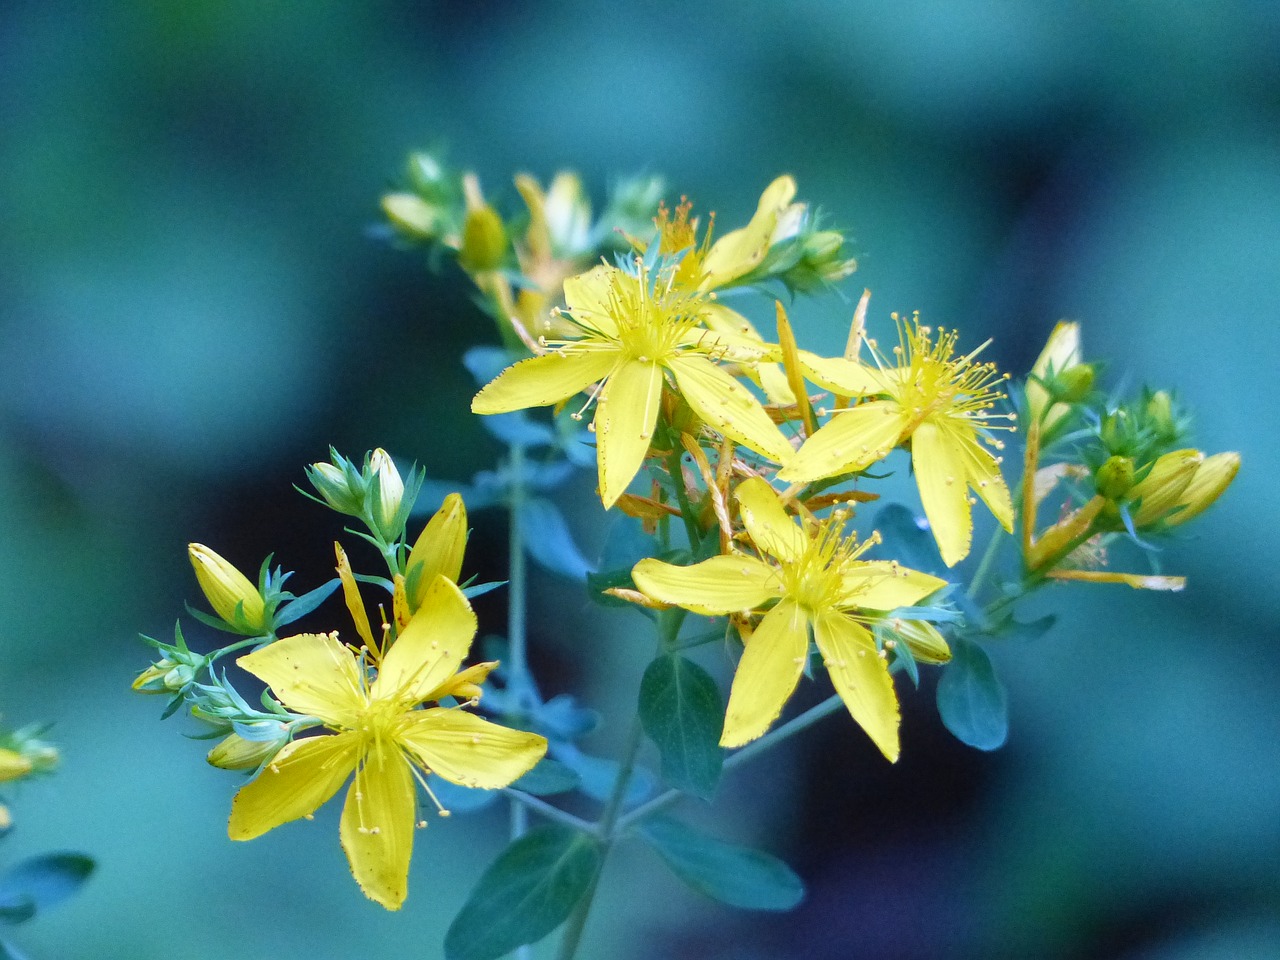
{"type": "Point", "coordinates": [191, 309]}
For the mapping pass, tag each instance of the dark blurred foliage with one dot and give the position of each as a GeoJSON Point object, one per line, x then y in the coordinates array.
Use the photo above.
{"type": "Point", "coordinates": [192, 308]}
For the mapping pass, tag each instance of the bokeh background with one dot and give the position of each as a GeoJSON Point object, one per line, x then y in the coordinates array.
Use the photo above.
{"type": "Point", "coordinates": [192, 308]}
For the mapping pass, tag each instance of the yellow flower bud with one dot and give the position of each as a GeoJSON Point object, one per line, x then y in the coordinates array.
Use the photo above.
{"type": "Point", "coordinates": [390, 489]}
{"type": "Point", "coordinates": [233, 597]}
{"type": "Point", "coordinates": [164, 676]}
{"type": "Point", "coordinates": [411, 215]}
{"type": "Point", "coordinates": [923, 640]}
{"type": "Point", "coordinates": [1114, 478]}
{"type": "Point", "coordinates": [438, 550]}
{"type": "Point", "coordinates": [1211, 478]}
{"type": "Point", "coordinates": [13, 765]}
{"type": "Point", "coordinates": [1060, 353]}
{"type": "Point", "coordinates": [1161, 490]}
{"type": "Point", "coordinates": [237, 753]}
{"type": "Point", "coordinates": [1160, 414]}
{"type": "Point", "coordinates": [484, 240]}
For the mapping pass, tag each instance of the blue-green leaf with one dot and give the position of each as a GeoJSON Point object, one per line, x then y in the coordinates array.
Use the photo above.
{"type": "Point", "coordinates": [599, 775]}
{"type": "Point", "coordinates": [625, 545]}
{"type": "Point", "coordinates": [971, 699]}
{"type": "Point", "coordinates": [456, 798]}
{"type": "Point", "coordinates": [549, 542]}
{"type": "Point", "coordinates": [738, 876]}
{"type": "Point", "coordinates": [45, 880]}
{"type": "Point", "coordinates": [547, 778]}
{"type": "Point", "coordinates": [682, 713]}
{"type": "Point", "coordinates": [297, 608]}
{"type": "Point", "coordinates": [525, 894]}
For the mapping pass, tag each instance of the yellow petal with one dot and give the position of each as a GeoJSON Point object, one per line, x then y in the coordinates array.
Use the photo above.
{"type": "Point", "coordinates": [537, 237]}
{"type": "Point", "coordinates": [351, 594]}
{"type": "Point", "coordinates": [541, 381]}
{"type": "Point", "coordinates": [439, 549]}
{"type": "Point", "coordinates": [466, 749]}
{"type": "Point", "coordinates": [714, 587]}
{"type": "Point", "coordinates": [302, 776]}
{"type": "Point", "coordinates": [848, 378]}
{"type": "Point", "coordinates": [625, 418]}
{"type": "Point", "coordinates": [311, 673]}
{"type": "Point", "coordinates": [1209, 482]}
{"type": "Point", "coordinates": [726, 405]}
{"type": "Point", "coordinates": [940, 475]}
{"type": "Point", "coordinates": [741, 251]}
{"type": "Point", "coordinates": [430, 649]}
{"type": "Point", "coordinates": [852, 440]}
{"type": "Point", "coordinates": [982, 473]}
{"type": "Point", "coordinates": [588, 298]}
{"type": "Point", "coordinates": [861, 678]}
{"type": "Point", "coordinates": [883, 585]}
{"type": "Point", "coordinates": [767, 674]}
{"type": "Point", "coordinates": [767, 522]}
{"type": "Point", "coordinates": [377, 824]}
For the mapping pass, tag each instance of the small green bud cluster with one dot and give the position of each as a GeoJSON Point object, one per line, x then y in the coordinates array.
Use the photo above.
{"type": "Point", "coordinates": [373, 492]}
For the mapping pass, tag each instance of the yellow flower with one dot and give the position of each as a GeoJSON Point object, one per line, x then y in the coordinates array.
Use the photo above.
{"type": "Point", "coordinates": [1181, 485]}
{"type": "Point", "coordinates": [1059, 365]}
{"type": "Point", "coordinates": [636, 330]}
{"type": "Point", "coordinates": [378, 733]}
{"type": "Point", "coordinates": [231, 594]}
{"type": "Point", "coordinates": [941, 403]}
{"type": "Point", "coordinates": [813, 573]}
{"type": "Point", "coordinates": [708, 266]}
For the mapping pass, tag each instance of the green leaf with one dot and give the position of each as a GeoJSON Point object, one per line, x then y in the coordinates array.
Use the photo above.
{"type": "Point", "coordinates": [45, 880]}
{"type": "Point", "coordinates": [625, 545]}
{"type": "Point", "coordinates": [547, 778]}
{"type": "Point", "coordinates": [525, 894]}
{"type": "Point", "coordinates": [17, 909]}
{"type": "Point", "coordinates": [738, 876]}
{"type": "Point", "coordinates": [548, 540]}
{"type": "Point", "coordinates": [299, 607]}
{"type": "Point", "coordinates": [682, 713]}
{"type": "Point", "coordinates": [971, 699]}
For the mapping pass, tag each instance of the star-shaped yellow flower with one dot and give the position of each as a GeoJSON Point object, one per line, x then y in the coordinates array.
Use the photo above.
{"type": "Point", "coordinates": [813, 573]}
{"type": "Point", "coordinates": [941, 403]}
{"type": "Point", "coordinates": [637, 329]}
{"type": "Point", "coordinates": [378, 733]}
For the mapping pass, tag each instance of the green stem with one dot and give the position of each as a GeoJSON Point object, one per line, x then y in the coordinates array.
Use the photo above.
{"type": "Point", "coordinates": [607, 830]}
{"type": "Point", "coordinates": [526, 801]}
{"type": "Point", "coordinates": [984, 566]}
{"type": "Point", "coordinates": [240, 645]}
{"type": "Point", "coordinates": [676, 469]}
{"type": "Point", "coordinates": [767, 742]}
{"type": "Point", "coordinates": [517, 657]}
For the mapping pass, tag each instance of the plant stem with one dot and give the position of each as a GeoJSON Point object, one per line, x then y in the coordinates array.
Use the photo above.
{"type": "Point", "coordinates": [517, 661]}
{"type": "Point", "coordinates": [984, 566]}
{"type": "Point", "coordinates": [526, 801]}
{"type": "Point", "coordinates": [675, 468]}
{"type": "Point", "coordinates": [769, 740]}
{"type": "Point", "coordinates": [607, 828]}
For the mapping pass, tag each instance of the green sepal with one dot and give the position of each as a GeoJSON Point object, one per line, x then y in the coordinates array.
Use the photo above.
{"type": "Point", "coordinates": [739, 876]}
{"type": "Point", "coordinates": [525, 894]}
{"type": "Point", "coordinates": [299, 607]}
{"type": "Point", "coordinates": [682, 712]}
{"type": "Point", "coordinates": [971, 699]}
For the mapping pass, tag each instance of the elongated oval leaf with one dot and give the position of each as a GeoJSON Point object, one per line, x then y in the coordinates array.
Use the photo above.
{"type": "Point", "coordinates": [549, 542]}
{"type": "Point", "coordinates": [525, 894]}
{"type": "Point", "coordinates": [682, 713]}
{"type": "Point", "coordinates": [45, 880]}
{"type": "Point", "coordinates": [739, 876]}
{"type": "Point", "coordinates": [971, 699]}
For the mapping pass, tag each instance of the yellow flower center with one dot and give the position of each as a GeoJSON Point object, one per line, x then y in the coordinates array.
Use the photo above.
{"type": "Point", "coordinates": [926, 379]}
{"type": "Point", "coordinates": [815, 580]}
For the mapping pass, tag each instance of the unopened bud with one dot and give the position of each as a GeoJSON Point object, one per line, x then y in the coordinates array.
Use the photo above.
{"type": "Point", "coordinates": [438, 550]}
{"type": "Point", "coordinates": [1073, 384]}
{"type": "Point", "coordinates": [231, 594]}
{"type": "Point", "coordinates": [1160, 416]}
{"type": "Point", "coordinates": [1161, 490]}
{"type": "Point", "coordinates": [1211, 478]}
{"type": "Point", "coordinates": [13, 765]}
{"type": "Point", "coordinates": [164, 676]}
{"type": "Point", "coordinates": [923, 640]}
{"type": "Point", "coordinates": [484, 240]}
{"type": "Point", "coordinates": [412, 215]}
{"type": "Point", "coordinates": [390, 490]}
{"type": "Point", "coordinates": [239, 753]}
{"type": "Point", "coordinates": [1114, 478]}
